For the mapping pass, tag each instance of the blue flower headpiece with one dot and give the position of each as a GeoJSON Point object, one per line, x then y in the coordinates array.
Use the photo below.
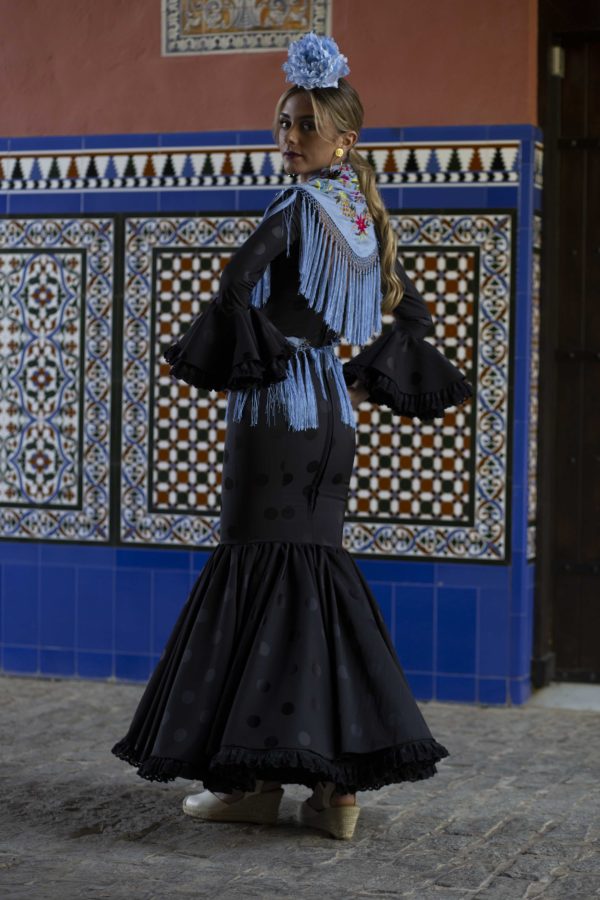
{"type": "Point", "coordinates": [315, 61]}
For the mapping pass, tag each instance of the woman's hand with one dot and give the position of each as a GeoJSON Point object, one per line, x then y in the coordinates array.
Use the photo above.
{"type": "Point", "coordinates": [357, 393]}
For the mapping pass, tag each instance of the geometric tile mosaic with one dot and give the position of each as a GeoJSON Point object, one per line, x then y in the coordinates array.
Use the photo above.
{"type": "Point", "coordinates": [210, 26]}
{"type": "Point", "coordinates": [418, 490]}
{"type": "Point", "coordinates": [494, 163]}
{"type": "Point", "coordinates": [56, 294]}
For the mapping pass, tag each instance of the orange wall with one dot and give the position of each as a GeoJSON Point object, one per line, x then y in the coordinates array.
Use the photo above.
{"type": "Point", "coordinates": [89, 67]}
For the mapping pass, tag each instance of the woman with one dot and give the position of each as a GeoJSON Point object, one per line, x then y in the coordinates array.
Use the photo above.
{"type": "Point", "coordinates": [280, 668]}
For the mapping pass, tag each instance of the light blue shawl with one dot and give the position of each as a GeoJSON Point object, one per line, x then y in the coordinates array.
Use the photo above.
{"type": "Point", "coordinates": [339, 253]}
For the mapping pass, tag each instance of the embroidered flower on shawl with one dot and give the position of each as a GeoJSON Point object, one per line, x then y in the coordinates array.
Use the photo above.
{"type": "Point", "coordinates": [350, 199]}
{"type": "Point", "coordinates": [315, 61]}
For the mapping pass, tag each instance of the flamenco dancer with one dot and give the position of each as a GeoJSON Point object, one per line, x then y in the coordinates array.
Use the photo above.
{"type": "Point", "coordinates": [280, 669]}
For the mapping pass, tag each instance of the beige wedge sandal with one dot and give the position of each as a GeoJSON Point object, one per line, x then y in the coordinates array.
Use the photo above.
{"type": "Point", "coordinates": [258, 806]}
{"type": "Point", "coordinates": [338, 821]}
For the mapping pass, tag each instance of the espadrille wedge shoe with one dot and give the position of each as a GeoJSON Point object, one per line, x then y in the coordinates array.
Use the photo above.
{"type": "Point", "coordinates": [338, 821]}
{"type": "Point", "coordinates": [258, 806]}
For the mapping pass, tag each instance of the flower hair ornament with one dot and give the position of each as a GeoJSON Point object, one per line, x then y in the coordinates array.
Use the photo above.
{"type": "Point", "coordinates": [315, 61]}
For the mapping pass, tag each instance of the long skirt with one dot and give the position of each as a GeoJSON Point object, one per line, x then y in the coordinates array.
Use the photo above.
{"type": "Point", "coordinates": [280, 665]}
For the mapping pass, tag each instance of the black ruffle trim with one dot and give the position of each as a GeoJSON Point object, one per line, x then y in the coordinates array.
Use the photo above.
{"type": "Point", "coordinates": [409, 375]}
{"type": "Point", "coordinates": [237, 768]}
{"type": "Point", "coordinates": [230, 351]}
{"type": "Point", "coordinates": [426, 406]}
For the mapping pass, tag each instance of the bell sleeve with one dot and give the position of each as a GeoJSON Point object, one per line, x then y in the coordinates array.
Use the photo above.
{"type": "Point", "coordinates": [232, 344]}
{"type": "Point", "coordinates": [403, 371]}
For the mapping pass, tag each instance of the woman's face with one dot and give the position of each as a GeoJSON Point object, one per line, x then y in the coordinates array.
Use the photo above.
{"type": "Point", "coordinates": [304, 151]}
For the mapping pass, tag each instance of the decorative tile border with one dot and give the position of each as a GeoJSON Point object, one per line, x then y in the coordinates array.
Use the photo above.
{"type": "Point", "coordinates": [192, 27]}
{"type": "Point", "coordinates": [55, 358]}
{"type": "Point", "coordinates": [171, 463]}
{"type": "Point", "coordinates": [458, 164]}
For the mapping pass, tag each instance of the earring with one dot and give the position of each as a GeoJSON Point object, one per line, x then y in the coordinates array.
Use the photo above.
{"type": "Point", "coordinates": [338, 153]}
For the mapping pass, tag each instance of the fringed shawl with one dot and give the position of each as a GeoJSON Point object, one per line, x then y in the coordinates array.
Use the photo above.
{"type": "Point", "coordinates": [340, 274]}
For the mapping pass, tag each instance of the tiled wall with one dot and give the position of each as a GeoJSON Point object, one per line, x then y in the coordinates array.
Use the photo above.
{"type": "Point", "coordinates": [96, 559]}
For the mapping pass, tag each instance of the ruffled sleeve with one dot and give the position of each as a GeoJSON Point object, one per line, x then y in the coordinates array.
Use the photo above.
{"type": "Point", "coordinates": [403, 371]}
{"type": "Point", "coordinates": [232, 344]}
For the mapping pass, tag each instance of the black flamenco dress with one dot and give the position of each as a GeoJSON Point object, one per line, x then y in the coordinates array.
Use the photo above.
{"type": "Point", "coordinates": [280, 666]}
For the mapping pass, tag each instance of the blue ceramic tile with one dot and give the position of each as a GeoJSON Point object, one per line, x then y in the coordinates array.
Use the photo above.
{"type": "Point", "coordinates": [457, 688]}
{"type": "Point", "coordinates": [3, 203]}
{"type": "Point", "coordinates": [472, 575]}
{"type": "Point", "coordinates": [120, 141]}
{"type": "Point", "coordinates": [391, 134]}
{"type": "Point", "coordinates": [521, 396]}
{"type": "Point", "coordinates": [522, 132]}
{"type": "Point", "coordinates": [4, 142]}
{"type": "Point", "coordinates": [57, 607]}
{"type": "Point", "coordinates": [444, 132]}
{"type": "Point", "coordinates": [185, 203]}
{"type": "Point", "coordinates": [20, 611]}
{"type": "Point", "coordinates": [57, 662]}
{"type": "Point", "coordinates": [456, 630]}
{"type": "Point", "coordinates": [520, 691]}
{"type": "Point", "coordinates": [19, 551]}
{"type": "Point", "coordinates": [49, 142]}
{"type": "Point", "coordinates": [502, 196]}
{"type": "Point", "coordinates": [94, 665]}
{"type": "Point", "coordinates": [402, 572]}
{"type": "Point", "coordinates": [261, 136]}
{"type": "Point", "coordinates": [437, 197]}
{"type": "Point", "coordinates": [128, 201]}
{"type": "Point", "coordinates": [144, 558]}
{"type": "Point", "coordinates": [77, 555]}
{"type": "Point", "coordinates": [521, 650]}
{"type": "Point", "coordinates": [392, 198]}
{"type": "Point", "coordinates": [197, 561]}
{"type": "Point", "coordinates": [421, 684]}
{"type": "Point", "coordinates": [132, 611]}
{"type": "Point", "coordinates": [20, 659]}
{"type": "Point", "coordinates": [170, 593]}
{"type": "Point", "coordinates": [493, 690]}
{"type": "Point", "coordinates": [212, 200]}
{"type": "Point", "coordinates": [519, 520]}
{"type": "Point", "coordinates": [254, 201]}
{"type": "Point", "coordinates": [42, 203]}
{"type": "Point", "coordinates": [414, 627]}
{"type": "Point", "coordinates": [494, 633]}
{"type": "Point", "coordinates": [383, 594]}
{"type": "Point", "coordinates": [520, 591]}
{"type": "Point", "coordinates": [95, 609]}
{"type": "Point", "coordinates": [132, 668]}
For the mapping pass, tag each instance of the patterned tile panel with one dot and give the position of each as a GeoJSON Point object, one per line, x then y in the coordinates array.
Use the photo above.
{"type": "Point", "coordinates": [56, 299]}
{"type": "Point", "coordinates": [417, 490]}
{"type": "Point", "coordinates": [191, 27]}
{"type": "Point", "coordinates": [454, 163]}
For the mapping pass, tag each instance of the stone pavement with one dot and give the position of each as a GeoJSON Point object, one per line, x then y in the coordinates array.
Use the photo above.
{"type": "Point", "coordinates": [514, 812]}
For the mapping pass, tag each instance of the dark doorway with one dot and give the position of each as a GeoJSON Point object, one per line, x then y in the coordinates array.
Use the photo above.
{"type": "Point", "coordinates": [567, 615]}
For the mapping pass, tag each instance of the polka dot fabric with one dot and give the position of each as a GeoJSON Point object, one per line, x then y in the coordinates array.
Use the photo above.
{"type": "Point", "coordinates": [280, 665]}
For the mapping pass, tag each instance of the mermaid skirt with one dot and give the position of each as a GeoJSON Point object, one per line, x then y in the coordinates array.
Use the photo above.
{"type": "Point", "coordinates": [280, 665]}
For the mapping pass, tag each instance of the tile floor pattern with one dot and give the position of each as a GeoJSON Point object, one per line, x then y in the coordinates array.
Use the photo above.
{"type": "Point", "coordinates": [512, 813]}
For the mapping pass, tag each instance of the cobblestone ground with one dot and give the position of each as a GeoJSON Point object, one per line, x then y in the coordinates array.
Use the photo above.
{"type": "Point", "coordinates": [514, 812]}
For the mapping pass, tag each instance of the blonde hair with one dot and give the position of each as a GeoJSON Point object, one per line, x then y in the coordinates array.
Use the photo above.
{"type": "Point", "coordinates": [341, 108]}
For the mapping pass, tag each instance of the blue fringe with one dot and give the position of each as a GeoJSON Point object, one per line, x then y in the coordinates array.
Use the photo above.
{"type": "Point", "coordinates": [344, 287]}
{"type": "Point", "coordinates": [295, 396]}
